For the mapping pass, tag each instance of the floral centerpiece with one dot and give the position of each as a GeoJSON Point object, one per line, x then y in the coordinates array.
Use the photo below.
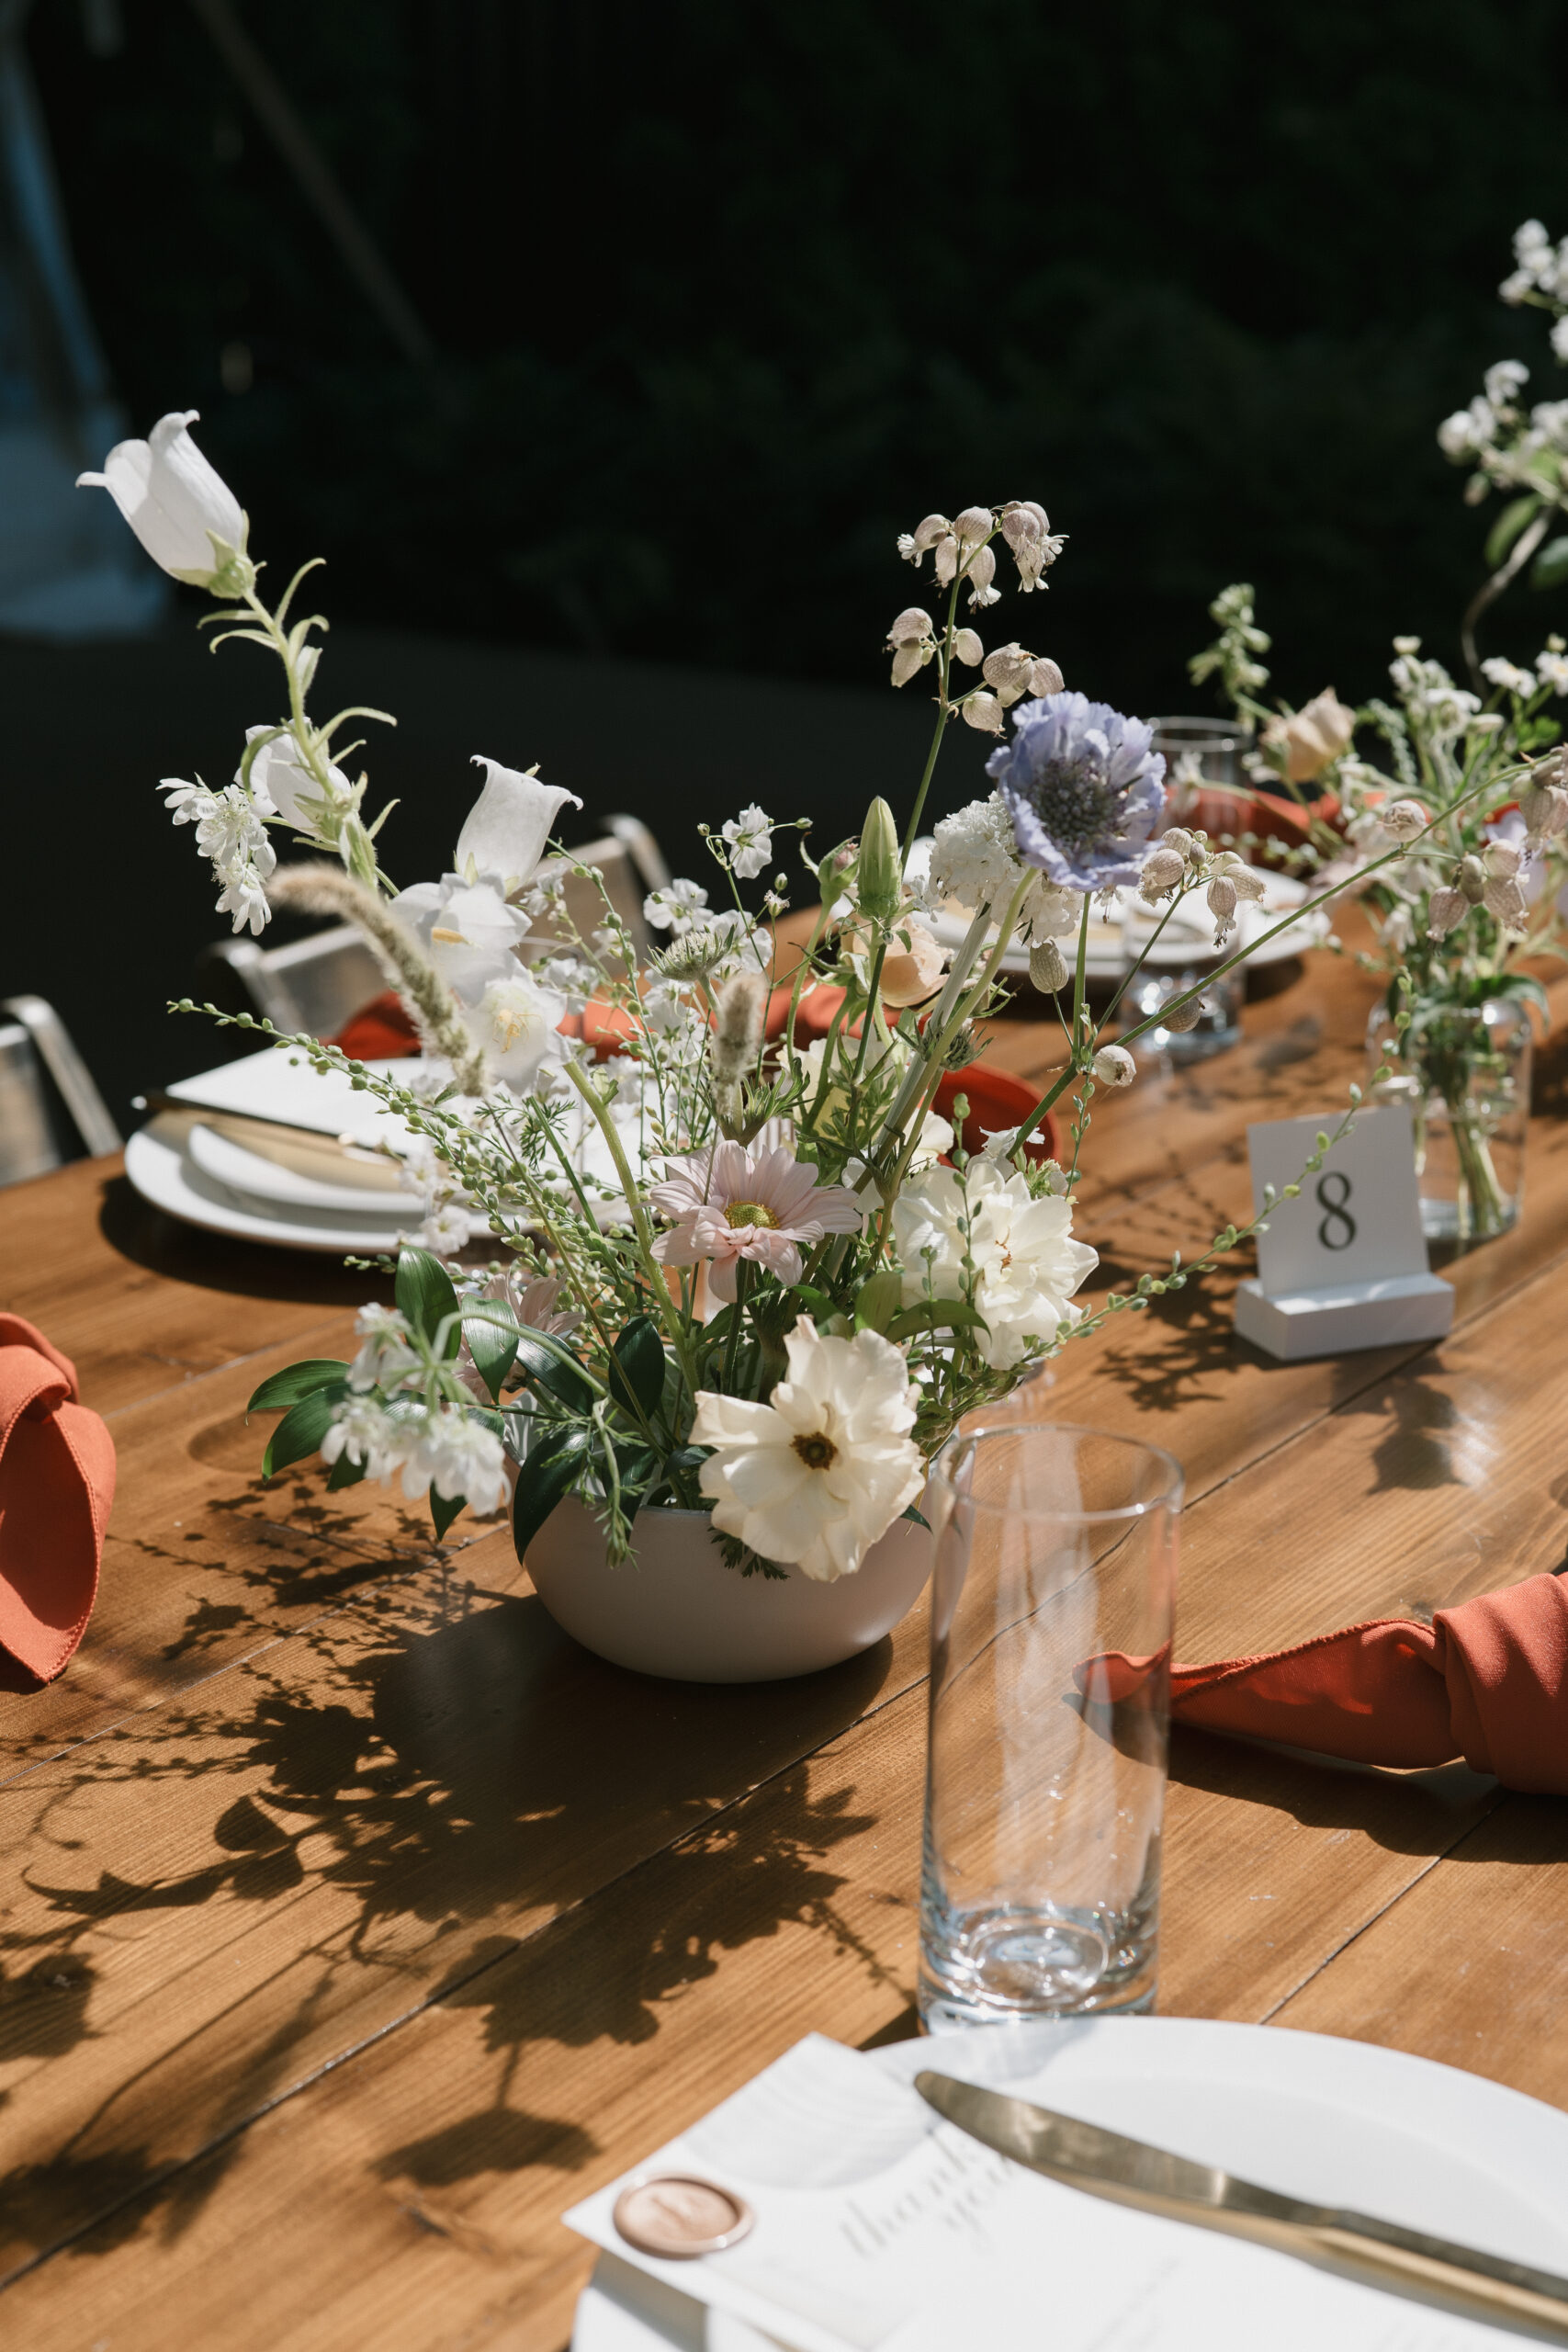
{"type": "Point", "coordinates": [741, 1274]}
{"type": "Point", "coordinates": [1473, 780]}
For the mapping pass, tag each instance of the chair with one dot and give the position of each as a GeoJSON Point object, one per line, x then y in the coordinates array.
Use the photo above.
{"type": "Point", "coordinates": [45, 1090]}
{"type": "Point", "coordinates": [316, 985]}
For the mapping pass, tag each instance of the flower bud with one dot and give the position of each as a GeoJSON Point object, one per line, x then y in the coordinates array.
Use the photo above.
{"type": "Point", "coordinates": [1045, 677]}
{"type": "Point", "coordinates": [1222, 899]}
{"type": "Point", "coordinates": [982, 710]}
{"type": "Point", "coordinates": [1506, 903]}
{"type": "Point", "coordinates": [1047, 967]}
{"type": "Point", "coordinates": [1472, 880]}
{"type": "Point", "coordinates": [982, 571]}
{"type": "Point", "coordinates": [968, 647]}
{"type": "Point", "coordinates": [1247, 883]}
{"type": "Point", "coordinates": [1164, 870]}
{"type": "Point", "coordinates": [1114, 1066]}
{"type": "Point", "coordinates": [1023, 519]}
{"type": "Point", "coordinates": [1503, 859]}
{"type": "Point", "coordinates": [909, 661]}
{"type": "Point", "coordinates": [1446, 910]}
{"type": "Point", "coordinates": [973, 526]}
{"type": "Point", "coordinates": [1177, 839]}
{"type": "Point", "coordinates": [1181, 1018]}
{"type": "Point", "coordinates": [1008, 670]}
{"type": "Point", "coordinates": [912, 545]}
{"type": "Point", "coordinates": [880, 889]}
{"type": "Point", "coordinates": [1545, 809]}
{"type": "Point", "coordinates": [913, 623]}
{"type": "Point", "coordinates": [1403, 819]}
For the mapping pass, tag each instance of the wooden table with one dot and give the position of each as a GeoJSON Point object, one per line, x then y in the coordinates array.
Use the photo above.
{"type": "Point", "coordinates": [356, 1923]}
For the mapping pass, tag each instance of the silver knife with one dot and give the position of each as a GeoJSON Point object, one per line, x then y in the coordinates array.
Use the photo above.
{"type": "Point", "coordinates": [1373, 2252]}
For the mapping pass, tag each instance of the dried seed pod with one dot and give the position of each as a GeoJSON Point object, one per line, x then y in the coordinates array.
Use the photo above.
{"type": "Point", "coordinates": [1047, 967]}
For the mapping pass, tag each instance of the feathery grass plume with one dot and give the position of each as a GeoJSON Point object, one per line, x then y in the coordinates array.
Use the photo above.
{"type": "Point", "coordinates": [328, 890]}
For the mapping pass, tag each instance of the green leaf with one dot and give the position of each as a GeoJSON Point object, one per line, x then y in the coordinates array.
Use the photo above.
{"type": "Point", "coordinates": [492, 1343]}
{"type": "Point", "coordinates": [344, 1473]}
{"type": "Point", "coordinates": [425, 1296]}
{"type": "Point", "coordinates": [1507, 528]}
{"type": "Point", "coordinates": [542, 1480]}
{"type": "Point", "coordinates": [297, 1380]}
{"type": "Point", "coordinates": [444, 1510]}
{"type": "Point", "coordinates": [815, 1303]}
{"type": "Point", "coordinates": [937, 1315]}
{"type": "Point", "coordinates": [918, 1517]}
{"type": "Point", "coordinates": [1550, 569]}
{"type": "Point", "coordinates": [302, 1427]}
{"type": "Point", "coordinates": [635, 1370]}
{"type": "Point", "coordinates": [554, 1368]}
{"type": "Point", "coordinates": [878, 1300]}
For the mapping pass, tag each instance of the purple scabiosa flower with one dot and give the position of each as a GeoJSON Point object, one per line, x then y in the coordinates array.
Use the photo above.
{"type": "Point", "coordinates": [1083, 790]}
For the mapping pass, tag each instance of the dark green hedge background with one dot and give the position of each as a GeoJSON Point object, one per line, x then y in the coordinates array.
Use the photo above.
{"type": "Point", "coordinates": [728, 291]}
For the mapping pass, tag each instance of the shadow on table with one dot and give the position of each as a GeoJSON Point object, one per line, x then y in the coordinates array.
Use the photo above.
{"type": "Point", "coordinates": [1417, 1813]}
{"type": "Point", "coordinates": [187, 1253]}
{"type": "Point", "coordinates": [451, 1761]}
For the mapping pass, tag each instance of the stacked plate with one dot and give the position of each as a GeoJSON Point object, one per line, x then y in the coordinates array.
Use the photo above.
{"type": "Point", "coordinates": [266, 1149]}
{"type": "Point", "coordinates": [1190, 926]}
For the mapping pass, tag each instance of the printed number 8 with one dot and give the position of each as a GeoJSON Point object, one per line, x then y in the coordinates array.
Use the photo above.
{"type": "Point", "coordinates": [1338, 1215]}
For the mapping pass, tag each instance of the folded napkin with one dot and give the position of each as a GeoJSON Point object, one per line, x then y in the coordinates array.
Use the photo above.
{"type": "Point", "coordinates": [57, 1473]}
{"type": "Point", "coordinates": [1487, 1680]}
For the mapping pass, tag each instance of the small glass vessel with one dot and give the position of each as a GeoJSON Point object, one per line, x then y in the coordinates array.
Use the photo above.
{"type": "Point", "coordinates": [1464, 1073]}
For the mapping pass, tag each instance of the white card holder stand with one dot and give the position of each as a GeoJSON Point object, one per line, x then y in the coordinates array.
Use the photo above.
{"type": "Point", "coordinates": [1344, 1265]}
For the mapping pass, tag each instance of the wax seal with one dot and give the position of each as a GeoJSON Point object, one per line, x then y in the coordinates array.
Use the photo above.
{"type": "Point", "coordinates": [677, 2216]}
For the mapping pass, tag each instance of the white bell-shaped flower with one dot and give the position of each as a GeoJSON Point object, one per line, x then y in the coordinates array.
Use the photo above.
{"type": "Point", "coordinates": [505, 831]}
{"type": "Point", "coordinates": [180, 508]}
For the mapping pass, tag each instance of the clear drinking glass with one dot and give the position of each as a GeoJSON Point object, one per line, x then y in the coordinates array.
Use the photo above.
{"type": "Point", "coordinates": [1162, 962]}
{"type": "Point", "coordinates": [1051, 1603]}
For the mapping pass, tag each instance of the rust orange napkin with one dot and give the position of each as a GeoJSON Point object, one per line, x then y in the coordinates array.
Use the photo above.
{"type": "Point", "coordinates": [1487, 1680]}
{"type": "Point", "coordinates": [57, 1472]}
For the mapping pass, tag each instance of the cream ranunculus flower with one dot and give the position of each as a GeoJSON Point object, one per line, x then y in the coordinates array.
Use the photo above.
{"type": "Point", "coordinates": [1312, 737]}
{"type": "Point", "coordinates": [1027, 1264]}
{"type": "Point", "coordinates": [180, 508]}
{"type": "Point", "coordinates": [814, 1477]}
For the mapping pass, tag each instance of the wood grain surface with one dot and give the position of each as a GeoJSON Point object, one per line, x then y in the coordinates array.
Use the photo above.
{"type": "Point", "coordinates": [355, 1922]}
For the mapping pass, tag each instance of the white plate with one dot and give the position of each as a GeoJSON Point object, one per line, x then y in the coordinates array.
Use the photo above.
{"type": "Point", "coordinates": [163, 1173]}
{"type": "Point", "coordinates": [1341, 2122]}
{"type": "Point", "coordinates": [1104, 958]}
{"type": "Point", "coordinates": [267, 1184]}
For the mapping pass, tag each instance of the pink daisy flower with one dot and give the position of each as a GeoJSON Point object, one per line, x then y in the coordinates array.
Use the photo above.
{"type": "Point", "coordinates": [727, 1205]}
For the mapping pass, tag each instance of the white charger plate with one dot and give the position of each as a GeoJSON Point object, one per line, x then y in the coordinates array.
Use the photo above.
{"type": "Point", "coordinates": [1103, 960]}
{"type": "Point", "coordinates": [163, 1173]}
{"type": "Point", "coordinates": [268, 1184]}
{"type": "Point", "coordinates": [1341, 2122]}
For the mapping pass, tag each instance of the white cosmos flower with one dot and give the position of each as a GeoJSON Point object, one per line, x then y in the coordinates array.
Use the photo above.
{"type": "Point", "coordinates": [1027, 1264]}
{"type": "Point", "coordinates": [813, 1477]}
{"type": "Point", "coordinates": [180, 508]}
{"type": "Point", "coordinates": [505, 831]}
{"type": "Point", "coordinates": [751, 840]}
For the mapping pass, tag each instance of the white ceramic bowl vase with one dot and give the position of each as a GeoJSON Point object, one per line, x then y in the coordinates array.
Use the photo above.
{"type": "Point", "coordinates": [674, 1608]}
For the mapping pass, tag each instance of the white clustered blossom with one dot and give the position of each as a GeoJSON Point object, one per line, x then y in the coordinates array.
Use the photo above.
{"type": "Point", "coordinates": [813, 1479]}
{"type": "Point", "coordinates": [987, 1228]}
{"type": "Point", "coordinates": [446, 1228]}
{"type": "Point", "coordinates": [445, 1449]}
{"type": "Point", "coordinates": [384, 1352]}
{"type": "Point", "coordinates": [569, 975]}
{"type": "Point", "coordinates": [1541, 267]}
{"type": "Point", "coordinates": [228, 831]}
{"type": "Point", "coordinates": [1551, 666]}
{"type": "Point", "coordinates": [676, 907]}
{"type": "Point", "coordinates": [975, 862]}
{"type": "Point", "coordinates": [1429, 694]}
{"type": "Point", "coordinates": [1500, 671]}
{"type": "Point", "coordinates": [751, 840]}
{"type": "Point", "coordinates": [1468, 431]}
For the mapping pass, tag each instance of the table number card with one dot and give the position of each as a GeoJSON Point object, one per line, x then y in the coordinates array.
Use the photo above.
{"type": "Point", "coordinates": [1344, 1265]}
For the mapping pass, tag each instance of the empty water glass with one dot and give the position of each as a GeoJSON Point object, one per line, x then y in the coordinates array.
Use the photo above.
{"type": "Point", "coordinates": [1051, 1605]}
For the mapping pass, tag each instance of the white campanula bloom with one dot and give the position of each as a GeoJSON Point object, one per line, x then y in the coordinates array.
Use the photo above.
{"type": "Point", "coordinates": [180, 508]}
{"type": "Point", "coordinates": [677, 905]}
{"type": "Point", "coordinates": [516, 1023]}
{"type": "Point", "coordinates": [281, 783]}
{"type": "Point", "coordinates": [467, 929]}
{"type": "Point", "coordinates": [230, 832]}
{"type": "Point", "coordinates": [1025, 1263]}
{"type": "Point", "coordinates": [749, 838]}
{"type": "Point", "coordinates": [505, 831]}
{"type": "Point", "coordinates": [813, 1476]}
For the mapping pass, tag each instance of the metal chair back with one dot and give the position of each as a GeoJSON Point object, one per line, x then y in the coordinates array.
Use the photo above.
{"type": "Point", "coordinates": [316, 985]}
{"type": "Point", "coordinates": [46, 1089]}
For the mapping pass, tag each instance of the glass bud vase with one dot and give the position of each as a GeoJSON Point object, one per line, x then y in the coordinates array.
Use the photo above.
{"type": "Point", "coordinates": [1464, 1073]}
